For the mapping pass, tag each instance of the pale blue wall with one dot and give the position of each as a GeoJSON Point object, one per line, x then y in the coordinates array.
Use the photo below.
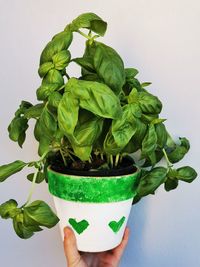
{"type": "Point", "coordinates": [162, 40]}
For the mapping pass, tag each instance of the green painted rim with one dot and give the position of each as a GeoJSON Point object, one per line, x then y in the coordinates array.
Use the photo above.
{"type": "Point", "coordinates": [92, 189]}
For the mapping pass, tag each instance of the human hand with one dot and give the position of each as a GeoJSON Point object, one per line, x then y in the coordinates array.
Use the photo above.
{"type": "Point", "coordinates": [110, 258]}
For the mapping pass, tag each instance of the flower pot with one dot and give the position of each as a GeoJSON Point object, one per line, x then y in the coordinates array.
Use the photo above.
{"type": "Point", "coordinates": [96, 208]}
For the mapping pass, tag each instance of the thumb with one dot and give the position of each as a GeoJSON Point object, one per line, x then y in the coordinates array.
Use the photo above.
{"type": "Point", "coordinates": [70, 248]}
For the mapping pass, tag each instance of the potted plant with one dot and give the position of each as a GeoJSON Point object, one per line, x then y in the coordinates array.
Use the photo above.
{"type": "Point", "coordinates": [100, 140]}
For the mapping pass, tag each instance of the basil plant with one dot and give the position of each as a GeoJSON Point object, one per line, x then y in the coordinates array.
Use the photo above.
{"type": "Point", "coordinates": [100, 117]}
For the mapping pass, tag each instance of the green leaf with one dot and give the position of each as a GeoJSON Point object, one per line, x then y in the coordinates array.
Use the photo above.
{"type": "Point", "coordinates": [50, 83]}
{"type": "Point", "coordinates": [149, 142]}
{"type": "Point", "coordinates": [179, 151]}
{"type": "Point", "coordinates": [9, 209]}
{"type": "Point", "coordinates": [34, 111]}
{"type": "Point", "coordinates": [186, 174]}
{"type": "Point", "coordinates": [161, 134]}
{"type": "Point", "coordinates": [10, 169]}
{"type": "Point", "coordinates": [47, 124]}
{"type": "Point", "coordinates": [136, 141]}
{"type": "Point", "coordinates": [44, 91]}
{"type": "Point", "coordinates": [21, 230]}
{"type": "Point", "coordinates": [171, 184]}
{"type": "Point", "coordinates": [110, 67]}
{"type": "Point", "coordinates": [154, 158]}
{"type": "Point", "coordinates": [87, 133]}
{"type": "Point", "coordinates": [82, 152]}
{"type": "Point", "coordinates": [59, 42]}
{"type": "Point", "coordinates": [110, 146]}
{"type": "Point", "coordinates": [22, 108]}
{"type": "Point", "coordinates": [68, 114]}
{"type": "Point", "coordinates": [91, 77]}
{"type": "Point", "coordinates": [41, 213]}
{"type": "Point", "coordinates": [45, 68]}
{"type": "Point", "coordinates": [125, 127]}
{"type": "Point", "coordinates": [130, 73]}
{"type": "Point", "coordinates": [17, 130]}
{"type": "Point", "coordinates": [151, 181]}
{"type": "Point", "coordinates": [95, 97]}
{"type": "Point", "coordinates": [85, 63]}
{"type": "Point", "coordinates": [145, 84]}
{"type": "Point", "coordinates": [40, 177]}
{"type": "Point", "coordinates": [89, 21]}
{"type": "Point", "coordinates": [149, 103]}
{"type": "Point", "coordinates": [61, 59]}
{"type": "Point", "coordinates": [53, 77]}
{"type": "Point", "coordinates": [54, 99]}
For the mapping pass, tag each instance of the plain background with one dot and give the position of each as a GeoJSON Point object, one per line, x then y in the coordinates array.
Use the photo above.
{"type": "Point", "coordinates": [162, 40]}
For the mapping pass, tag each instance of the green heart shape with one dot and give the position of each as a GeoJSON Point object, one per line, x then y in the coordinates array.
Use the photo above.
{"type": "Point", "coordinates": [115, 226]}
{"type": "Point", "coordinates": [79, 227]}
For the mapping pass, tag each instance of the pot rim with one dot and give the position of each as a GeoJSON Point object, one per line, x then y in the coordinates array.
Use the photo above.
{"type": "Point", "coordinates": [96, 174]}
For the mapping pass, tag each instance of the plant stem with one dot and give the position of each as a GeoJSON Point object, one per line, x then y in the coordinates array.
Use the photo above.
{"type": "Point", "coordinates": [169, 164]}
{"type": "Point", "coordinates": [63, 157]}
{"type": "Point", "coordinates": [111, 161]}
{"type": "Point", "coordinates": [117, 159]}
{"type": "Point", "coordinates": [83, 34]}
{"type": "Point", "coordinates": [32, 188]}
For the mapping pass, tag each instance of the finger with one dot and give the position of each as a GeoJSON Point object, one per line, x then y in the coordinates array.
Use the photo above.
{"type": "Point", "coordinates": [118, 251]}
{"type": "Point", "coordinates": [70, 247]}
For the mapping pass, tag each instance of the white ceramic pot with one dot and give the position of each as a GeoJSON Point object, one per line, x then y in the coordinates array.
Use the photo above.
{"type": "Point", "coordinates": [96, 208]}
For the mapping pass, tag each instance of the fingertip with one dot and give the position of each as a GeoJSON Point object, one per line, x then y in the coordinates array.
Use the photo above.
{"type": "Point", "coordinates": [67, 231]}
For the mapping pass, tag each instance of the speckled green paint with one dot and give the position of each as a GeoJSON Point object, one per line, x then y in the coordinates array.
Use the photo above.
{"type": "Point", "coordinates": [92, 189]}
{"type": "Point", "coordinates": [79, 227]}
{"type": "Point", "coordinates": [115, 226]}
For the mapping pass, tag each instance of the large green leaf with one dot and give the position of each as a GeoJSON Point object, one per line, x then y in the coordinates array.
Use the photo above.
{"type": "Point", "coordinates": [110, 146]}
{"type": "Point", "coordinates": [179, 150]}
{"type": "Point", "coordinates": [87, 133]}
{"type": "Point", "coordinates": [125, 127]}
{"type": "Point", "coordinates": [186, 174]}
{"type": "Point", "coordinates": [61, 59]}
{"type": "Point", "coordinates": [95, 97]}
{"type": "Point", "coordinates": [53, 77]}
{"type": "Point", "coordinates": [161, 134]}
{"type": "Point", "coordinates": [54, 99]}
{"type": "Point", "coordinates": [22, 108]}
{"type": "Point", "coordinates": [10, 169]}
{"type": "Point", "coordinates": [47, 124]}
{"type": "Point", "coordinates": [41, 213]}
{"type": "Point", "coordinates": [85, 63]}
{"type": "Point", "coordinates": [136, 141]}
{"type": "Point", "coordinates": [148, 103]}
{"type": "Point", "coordinates": [149, 142]}
{"type": "Point", "coordinates": [59, 42]}
{"type": "Point", "coordinates": [110, 67]}
{"type": "Point", "coordinates": [19, 124]}
{"type": "Point", "coordinates": [21, 230]}
{"type": "Point", "coordinates": [151, 181]}
{"type": "Point", "coordinates": [171, 184]}
{"type": "Point", "coordinates": [89, 21]}
{"type": "Point", "coordinates": [68, 113]}
{"type": "Point", "coordinates": [17, 130]}
{"type": "Point", "coordinates": [34, 111]}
